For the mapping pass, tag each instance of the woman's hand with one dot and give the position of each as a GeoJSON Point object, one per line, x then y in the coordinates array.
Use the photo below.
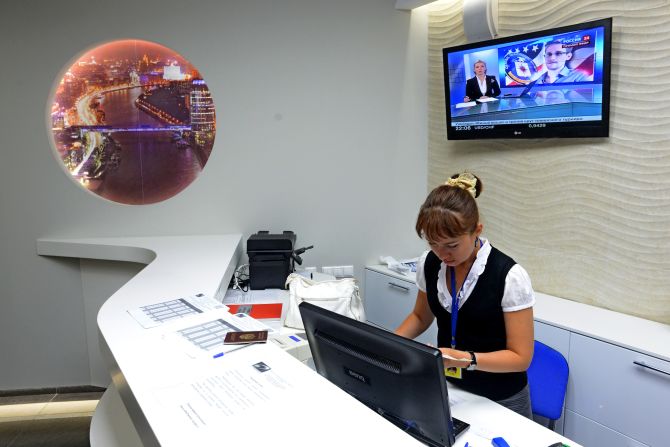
{"type": "Point", "coordinates": [466, 99]}
{"type": "Point", "coordinates": [515, 357]}
{"type": "Point", "coordinates": [459, 359]}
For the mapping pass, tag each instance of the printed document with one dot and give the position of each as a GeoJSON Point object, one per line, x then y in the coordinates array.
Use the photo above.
{"type": "Point", "coordinates": [239, 386]}
{"type": "Point", "coordinates": [202, 336]}
{"type": "Point", "coordinates": [156, 314]}
{"type": "Point", "coordinates": [259, 395]}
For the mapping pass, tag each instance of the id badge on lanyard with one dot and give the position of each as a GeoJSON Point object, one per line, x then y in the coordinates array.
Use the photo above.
{"type": "Point", "coordinates": [454, 372]}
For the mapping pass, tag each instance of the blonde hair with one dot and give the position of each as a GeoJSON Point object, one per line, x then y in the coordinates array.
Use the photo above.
{"type": "Point", "coordinates": [480, 62]}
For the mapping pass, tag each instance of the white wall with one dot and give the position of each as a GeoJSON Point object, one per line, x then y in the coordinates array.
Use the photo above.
{"type": "Point", "coordinates": [587, 217]}
{"type": "Point", "coordinates": [321, 109]}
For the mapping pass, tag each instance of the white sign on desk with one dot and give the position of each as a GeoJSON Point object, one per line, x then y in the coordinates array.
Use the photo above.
{"type": "Point", "coordinates": [153, 315]}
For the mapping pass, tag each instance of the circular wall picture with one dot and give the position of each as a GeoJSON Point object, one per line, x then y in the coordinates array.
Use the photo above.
{"type": "Point", "coordinates": [133, 122]}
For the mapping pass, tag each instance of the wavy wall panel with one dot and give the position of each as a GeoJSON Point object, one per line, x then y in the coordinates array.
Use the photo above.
{"type": "Point", "coordinates": [589, 219]}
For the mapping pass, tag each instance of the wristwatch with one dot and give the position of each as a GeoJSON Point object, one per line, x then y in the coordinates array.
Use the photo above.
{"type": "Point", "coordinates": [473, 362]}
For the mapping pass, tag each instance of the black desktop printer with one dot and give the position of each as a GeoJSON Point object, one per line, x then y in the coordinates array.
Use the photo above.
{"type": "Point", "coordinates": [271, 259]}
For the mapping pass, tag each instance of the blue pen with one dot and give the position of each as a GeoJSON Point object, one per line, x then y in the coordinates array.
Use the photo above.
{"type": "Point", "coordinates": [466, 444]}
{"type": "Point", "coordinates": [220, 354]}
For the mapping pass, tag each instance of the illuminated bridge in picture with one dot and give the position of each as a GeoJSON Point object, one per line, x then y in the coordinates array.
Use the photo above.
{"type": "Point", "coordinates": [106, 129]}
{"type": "Point", "coordinates": [142, 128]}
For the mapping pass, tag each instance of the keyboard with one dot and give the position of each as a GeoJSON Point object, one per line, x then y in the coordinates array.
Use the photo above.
{"type": "Point", "coordinates": [411, 428]}
{"type": "Point", "coordinates": [459, 426]}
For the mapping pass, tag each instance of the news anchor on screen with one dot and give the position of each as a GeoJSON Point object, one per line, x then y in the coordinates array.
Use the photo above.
{"type": "Point", "coordinates": [481, 85]}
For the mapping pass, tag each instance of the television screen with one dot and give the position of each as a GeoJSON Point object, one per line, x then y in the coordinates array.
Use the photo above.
{"type": "Point", "coordinates": [552, 83]}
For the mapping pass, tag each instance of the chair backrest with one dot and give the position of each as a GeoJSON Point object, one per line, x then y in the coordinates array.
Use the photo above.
{"type": "Point", "coordinates": [548, 381]}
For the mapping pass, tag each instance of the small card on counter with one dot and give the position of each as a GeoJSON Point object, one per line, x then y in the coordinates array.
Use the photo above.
{"type": "Point", "coordinates": [245, 337]}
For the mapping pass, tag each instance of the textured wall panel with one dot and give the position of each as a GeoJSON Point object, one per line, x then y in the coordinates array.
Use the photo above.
{"type": "Point", "coordinates": [588, 218]}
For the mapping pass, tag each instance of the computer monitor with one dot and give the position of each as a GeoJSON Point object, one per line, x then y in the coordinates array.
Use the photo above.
{"type": "Point", "coordinates": [400, 379]}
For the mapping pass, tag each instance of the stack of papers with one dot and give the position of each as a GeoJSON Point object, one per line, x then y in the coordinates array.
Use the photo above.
{"type": "Point", "coordinates": [405, 266]}
{"type": "Point", "coordinates": [198, 324]}
{"type": "Point", "coordinates": [461, 105]}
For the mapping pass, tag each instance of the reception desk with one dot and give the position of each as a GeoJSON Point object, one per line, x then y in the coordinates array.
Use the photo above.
{"type": "Point", "coordinates": [156, 396]}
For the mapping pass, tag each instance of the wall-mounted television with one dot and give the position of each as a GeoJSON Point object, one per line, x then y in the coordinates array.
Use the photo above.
{"type": "Point", "coordinates": [551, 83]}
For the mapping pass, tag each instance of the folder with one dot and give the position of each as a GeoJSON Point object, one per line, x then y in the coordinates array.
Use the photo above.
{"type": "Point", "coordinates": [258, 311]}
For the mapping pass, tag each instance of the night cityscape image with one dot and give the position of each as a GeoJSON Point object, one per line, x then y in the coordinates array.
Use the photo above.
{"type": "Point", "coordinates": [133, 122]}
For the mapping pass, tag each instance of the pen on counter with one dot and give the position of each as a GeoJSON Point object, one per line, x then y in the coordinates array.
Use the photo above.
{"type": "Point", "coordinates": [220, 354]}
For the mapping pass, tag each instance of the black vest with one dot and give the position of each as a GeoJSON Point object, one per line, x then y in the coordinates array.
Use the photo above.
{"type": "Point", "coordinates": [480, 326]}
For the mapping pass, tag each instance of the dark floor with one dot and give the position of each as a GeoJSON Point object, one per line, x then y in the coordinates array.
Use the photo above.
{"type": "Point", "coordinates": [47, 420]}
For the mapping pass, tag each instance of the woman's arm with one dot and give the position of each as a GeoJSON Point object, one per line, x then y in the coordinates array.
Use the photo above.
{"type": "Point", "coordinates": [495, 88]}
{"type": "Point", "coordinates": [417, 321]}
{"type": "Point", "coordinates": [518, 352]}
{"type": "Point", "coordinates": [471, 90]}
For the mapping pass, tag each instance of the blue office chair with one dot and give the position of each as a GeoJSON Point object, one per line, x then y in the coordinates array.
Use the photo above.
{"type": "Point", "coordinates": [548, 381]}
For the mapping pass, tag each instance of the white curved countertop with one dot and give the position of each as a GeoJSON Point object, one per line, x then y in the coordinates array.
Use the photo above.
{"type": "Point", "coordinates": [143, 365]}
{"type": "Point", "coordinates": [177, 266]}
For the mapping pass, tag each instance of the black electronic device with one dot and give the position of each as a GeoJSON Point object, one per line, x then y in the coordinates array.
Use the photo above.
{"type": "Point", "coordinates": [272, 258]}
{"type": "Point", "coordinates": [568, 69]}
{"type": "Point", "coordinates": [401, 379]}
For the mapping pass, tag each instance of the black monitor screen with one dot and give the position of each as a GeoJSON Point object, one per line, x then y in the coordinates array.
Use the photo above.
{"type": "Point", "coordinates": [551, 83]}
{"type": "Point", "coordinates": [399, 378]}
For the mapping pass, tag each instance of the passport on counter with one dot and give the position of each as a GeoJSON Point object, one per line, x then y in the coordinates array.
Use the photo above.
{"type": "Point", "coordinates": [245, 337]}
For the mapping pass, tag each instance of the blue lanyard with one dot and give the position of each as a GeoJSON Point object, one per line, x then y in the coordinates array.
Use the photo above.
{"type": "Point", "coordinates": [454, 299]}
{"type": "Point", "coordinates": [454, 306]}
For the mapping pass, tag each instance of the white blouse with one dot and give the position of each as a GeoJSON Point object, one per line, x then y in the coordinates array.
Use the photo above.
{"type": "Point", "coordinates": [518, 292]}
{"type": "Point", "coordinates": [482, 85]}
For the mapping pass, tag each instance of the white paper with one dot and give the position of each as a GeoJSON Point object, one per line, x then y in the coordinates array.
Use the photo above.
{"type": "Point", "coordinates": [153, 315]}
{"type": "Point", "coordinates": [456, 395]}
{"type": "Point", "coordinates": [489, 99]}
{"type": "Point", "coordinates": [239, 387]}
{"type": "Point", "coordinates": [262, 396]}
{"type": "Point", "coordinates": [411, 263]}
{"type": "Point", "coordinates": [455, 400]}
{"type": "Point", "coordinates": [202, 336]}
{"type": "Point", "coordinates": [402, 267]}
{"type": "Point", "coordinates": [462, 105]}
{"type": "Point", "coordinates": [448, 357]}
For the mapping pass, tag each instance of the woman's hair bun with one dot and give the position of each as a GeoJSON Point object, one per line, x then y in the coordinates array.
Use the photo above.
{"type": "Point", "coordinates": [468, 182]}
